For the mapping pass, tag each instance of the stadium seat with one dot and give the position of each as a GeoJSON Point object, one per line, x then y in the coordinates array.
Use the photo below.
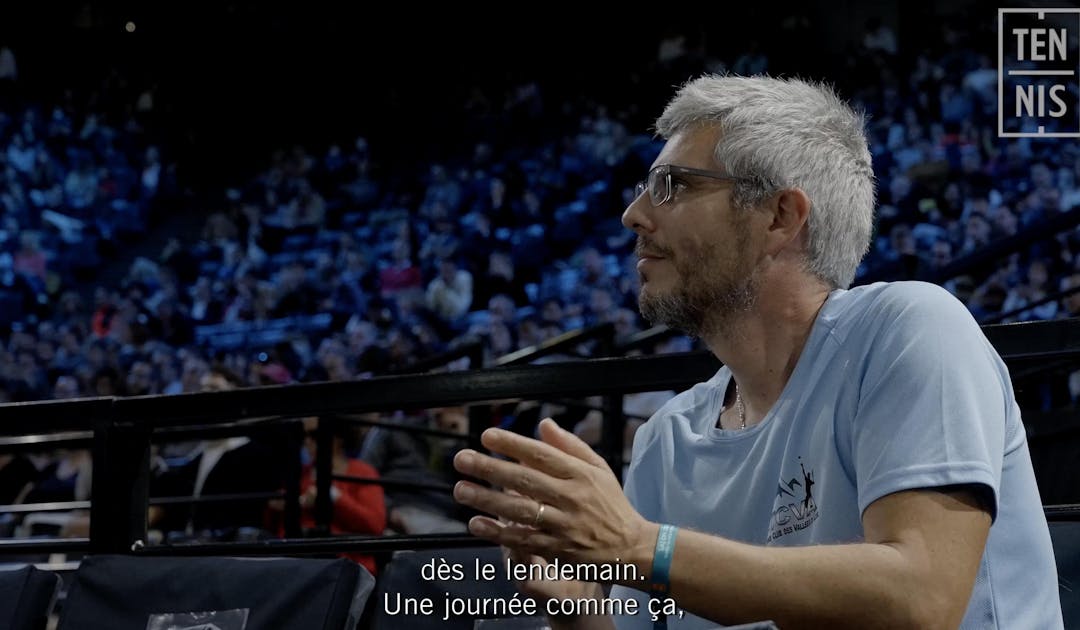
{"type": "Point", "coordinates": [27, 596]}
{"type": "Point", "coordinates": [148, 593]}
{"type": "Point", "coordinates": [402, 576]}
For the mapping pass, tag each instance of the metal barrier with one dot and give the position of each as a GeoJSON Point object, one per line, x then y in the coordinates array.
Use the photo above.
{"type": "Point", "coordinates": [604, 334]}
{"type": "Point", "coordinates": [1051, 297]}
{"type": "Point", "coordinates": [473, 351]}
{"type": "Point", "coordinates": [121, 430]}
{"type": "Point", "coordinates": [645, 339]}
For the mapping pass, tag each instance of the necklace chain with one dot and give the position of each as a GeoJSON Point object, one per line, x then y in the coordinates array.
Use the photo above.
{"type": "Point", "coordinates": [741, 406]}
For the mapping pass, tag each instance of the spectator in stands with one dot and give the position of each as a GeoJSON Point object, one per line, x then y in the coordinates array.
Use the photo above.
{"type": "Point", "coordinates": [601, 307]}
{"type": "Point", "coordinates": [205, 307]}
{"type": "Point", "coordinates": [358, 508]}
{"type": "Point", "coordinates": [66, 386]}
{"type": "Point", "coordinates": [551, 312]}
{"type": "Point", "coordinates": [219, 230]}
{"type": "Point", "coordinates": [1070, 192]}
{"type": "Point", "coordinates": [333, 363]}
{"type": "Point", "coordinates": [976, 235]}
{"type": "Point", "coordinates": [295, 294]}
{"type": "Point", "coordinates": [66, 475]}
{"type": "Point", "coordinates": [745, 247]}
{"type": "Point", "coordinates": [499, 277]}
{"type": "Point", "coordinates": [237, 465]}
{"type": "Point", "coordinates": [357, 282]}
{"type": "Point", "coordinates": [105, 382]}
{"type": "Point", "coordinates": [194, 370]}
{"type": "Point", "coordinates": [502, 308]}
{"type": "Point", "coordinates": [81, 186]}
{"type": "Point", "coordinates": [30, 259]}
{"type": "Point", "coordinates": [1032, 289]}
{"type": "Point", "coordinates": [529, 332]}
{"type": "Point", "coordinates": [450, 293]}
{"type": "Point", "coordinates": [940, 256]}
{"type": "Point", "coordinates": [1070, 303]}
{"type": "Point", "coordinates": [500, 339]}
{"type": "Point", "coordinates": [140, 379]}
{"type": "Point", "coordinates": [1005, 223]}
{"type": "Point", "coordinates": [987, 299]}
{"type": "Point", "coordinates": [442, 189]}
{"type": "Point", "coordinates": [402, 455]}
{"type": "Point", "coordinates": [400, 274]}
{"type": "Point", "coordinates": [442, 241]}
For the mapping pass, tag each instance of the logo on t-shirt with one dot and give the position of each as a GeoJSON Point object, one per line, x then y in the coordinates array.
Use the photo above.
{"type": "Point", "coordinates": [794, 508]}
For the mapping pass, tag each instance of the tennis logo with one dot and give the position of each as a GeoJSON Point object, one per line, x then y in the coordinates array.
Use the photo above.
{"type": "Point", "coordinates": [1038, 64]}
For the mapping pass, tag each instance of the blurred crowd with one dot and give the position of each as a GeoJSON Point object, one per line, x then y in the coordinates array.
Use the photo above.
{"type": "Point", "coordinates": [325, 267]}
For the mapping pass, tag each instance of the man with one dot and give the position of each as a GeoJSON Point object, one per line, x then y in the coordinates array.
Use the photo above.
{"type": "Point", "coordinates": [886, 400]}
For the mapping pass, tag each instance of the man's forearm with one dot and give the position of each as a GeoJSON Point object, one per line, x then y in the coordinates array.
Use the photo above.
{"type": "Point", "coordinates": [828, 586]}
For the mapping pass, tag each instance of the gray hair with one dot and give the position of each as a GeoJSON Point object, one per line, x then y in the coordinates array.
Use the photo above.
{"type": "Point", "coordinates": [789, 133]}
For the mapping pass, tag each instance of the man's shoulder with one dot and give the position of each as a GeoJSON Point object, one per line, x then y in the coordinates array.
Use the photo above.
{"type": "Point", "coordinates": [902, 294]}
{"type": "Point", "coordinates": [919, 321]}
{"type": "Point", "coordinates": [899, 303]}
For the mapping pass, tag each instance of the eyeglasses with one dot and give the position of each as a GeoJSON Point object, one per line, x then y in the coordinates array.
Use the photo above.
{"type": "Point", "coordinates": [659, 181]}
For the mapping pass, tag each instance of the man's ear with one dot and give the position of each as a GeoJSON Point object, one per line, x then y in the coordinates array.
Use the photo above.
{"type": "Point", "coordinates": [790, 210]}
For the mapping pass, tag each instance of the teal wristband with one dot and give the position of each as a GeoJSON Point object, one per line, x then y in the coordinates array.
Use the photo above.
{"type": "Point", "coordinates": [659, 579]}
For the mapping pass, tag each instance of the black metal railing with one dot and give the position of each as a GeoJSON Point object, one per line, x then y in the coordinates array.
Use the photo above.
{"type": "Point", "coordinates": [473, 351]}
{"type": "Point", "coordinates": [566, 343]}
{"type": "Point", "coordinates": [121, 430]}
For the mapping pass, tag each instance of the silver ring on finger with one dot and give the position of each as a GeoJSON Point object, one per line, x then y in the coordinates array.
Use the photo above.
{"type": "Point", "coordinates": [539, 516]}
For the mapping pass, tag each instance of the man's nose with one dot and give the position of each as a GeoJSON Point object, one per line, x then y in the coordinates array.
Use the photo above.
{"type": "Point", "coordinates": [638, 215]}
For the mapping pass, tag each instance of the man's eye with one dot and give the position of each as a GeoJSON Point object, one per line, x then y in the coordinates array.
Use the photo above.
{"type": "Point", "coordinates": [678, 185]}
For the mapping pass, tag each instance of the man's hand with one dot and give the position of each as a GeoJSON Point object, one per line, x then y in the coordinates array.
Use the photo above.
{"type": "Point", "coordinates": [563, 497]}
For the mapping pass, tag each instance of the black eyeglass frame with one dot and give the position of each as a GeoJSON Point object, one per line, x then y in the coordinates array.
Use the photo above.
{"type": "Point", "coordinates": [665, 171]}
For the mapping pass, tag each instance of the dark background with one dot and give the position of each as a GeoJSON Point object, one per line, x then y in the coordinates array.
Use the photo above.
{"type": "Point", "coordinates": [236, 80]}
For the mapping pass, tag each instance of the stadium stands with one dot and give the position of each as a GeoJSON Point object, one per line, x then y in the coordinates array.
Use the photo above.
{"type": "Point", "coordinates": [333, 264]}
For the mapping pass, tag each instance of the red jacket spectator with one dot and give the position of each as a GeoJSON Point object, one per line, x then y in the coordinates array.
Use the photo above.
{"type": "Point", "coordinates": [358, 508]}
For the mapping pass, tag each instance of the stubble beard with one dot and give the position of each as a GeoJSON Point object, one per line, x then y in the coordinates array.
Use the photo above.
{"type": "Point", "coordinates": [711, 294]}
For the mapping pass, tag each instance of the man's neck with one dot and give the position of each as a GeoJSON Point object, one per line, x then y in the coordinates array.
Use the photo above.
{"type": "Point", "coordinates": [762, 346]}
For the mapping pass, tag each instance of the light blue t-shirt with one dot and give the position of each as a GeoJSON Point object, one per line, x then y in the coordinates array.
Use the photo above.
{"type": "Point", "coordinates": [896, 388]}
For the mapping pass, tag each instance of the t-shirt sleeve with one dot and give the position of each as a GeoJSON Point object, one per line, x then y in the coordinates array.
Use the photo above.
{"type": "Point", "coordinates": [934, 399]}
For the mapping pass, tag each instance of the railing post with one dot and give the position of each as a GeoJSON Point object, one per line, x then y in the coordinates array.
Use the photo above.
{"type": "Point", "coordinates": [613, 423]}
{"type": "Point", "coordinates": [479, 419]}
{"type": "Point", "coordinates": [120, 487]}
{"type": "Point", "coordinates": [479, 415]}
{"type": "Point", "coordinates": [292, 438]}
{"type": "Point", "coordinates": [324, 471]}
{"type": "Point", "coordinates": [476, 356]}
